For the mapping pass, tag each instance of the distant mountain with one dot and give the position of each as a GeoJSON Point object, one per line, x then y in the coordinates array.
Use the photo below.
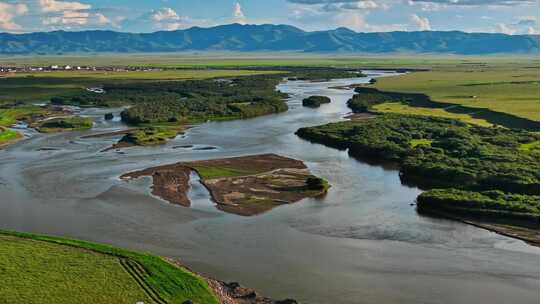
{"type": "Point", "coordinates": [236, 37]}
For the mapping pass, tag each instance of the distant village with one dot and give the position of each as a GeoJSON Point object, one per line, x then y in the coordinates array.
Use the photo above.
{"type": "Point", "coordinates": [6, 71]}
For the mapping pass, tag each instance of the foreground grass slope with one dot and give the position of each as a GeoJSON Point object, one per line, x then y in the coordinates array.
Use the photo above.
{"type": "Point", "coordinates": [43, 269]}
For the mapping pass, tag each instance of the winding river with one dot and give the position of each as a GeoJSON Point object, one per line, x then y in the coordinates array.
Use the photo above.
{"type": "Point", "coordinates": [362, 243]}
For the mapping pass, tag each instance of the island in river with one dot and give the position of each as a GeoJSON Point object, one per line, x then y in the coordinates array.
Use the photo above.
{"type": "Point", "coordinates": [484, 176]}
{"type": "Point", "coordinates": [247, 185]}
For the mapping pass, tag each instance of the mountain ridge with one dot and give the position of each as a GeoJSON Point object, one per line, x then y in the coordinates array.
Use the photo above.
{"type": "Point", "coordinates": [268, 37]}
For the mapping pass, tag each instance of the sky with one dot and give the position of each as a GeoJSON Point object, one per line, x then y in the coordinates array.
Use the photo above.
{"type": "Point", "coordinates": [501, 16]}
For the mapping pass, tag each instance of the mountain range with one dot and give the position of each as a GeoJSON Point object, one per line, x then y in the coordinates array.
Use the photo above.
{"type": "Point", "coordinates": [268, 37]}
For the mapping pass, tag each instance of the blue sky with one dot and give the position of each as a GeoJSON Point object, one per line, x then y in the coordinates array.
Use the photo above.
{"type": "Point", "coordinates": [506, 16]}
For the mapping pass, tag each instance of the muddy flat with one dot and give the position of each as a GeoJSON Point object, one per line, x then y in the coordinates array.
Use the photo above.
{"type": "Point", "coordinates": [247, 185]}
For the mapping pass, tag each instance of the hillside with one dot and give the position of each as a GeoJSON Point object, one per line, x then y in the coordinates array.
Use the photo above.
{"type": "Point", "coordinates": [236, 37]}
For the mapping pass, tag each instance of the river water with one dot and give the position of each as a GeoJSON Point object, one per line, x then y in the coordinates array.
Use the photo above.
{"type": "Point", "coordinates": [362, 243]}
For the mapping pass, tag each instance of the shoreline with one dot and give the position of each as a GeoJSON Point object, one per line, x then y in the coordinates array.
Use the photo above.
{"type": "Point", "coordinates": [136, 265]}
{"type": "Point", "coordinates": [529, 236]}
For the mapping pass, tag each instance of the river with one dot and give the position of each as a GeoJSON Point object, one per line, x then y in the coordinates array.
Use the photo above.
{"type": "Point", "coordinates": [362, 243]}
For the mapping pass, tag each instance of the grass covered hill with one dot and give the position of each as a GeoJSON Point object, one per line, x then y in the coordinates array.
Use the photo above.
{"type": "Point", "coordinates": [42, 269]}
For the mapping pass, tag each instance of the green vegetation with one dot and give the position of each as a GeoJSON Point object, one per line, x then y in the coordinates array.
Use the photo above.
{"type": "Point", "coordinates": [207, 172]}
{"type": "Point", "coordinates": [317, 184]}
{"type": "Point", "coordinates": [43, 269]}
{"type": "Point", "coordinates": [418, 142]}
{"type": "Point", "coordinates": [11, 115]}
{"type": "Point", "coordinates": [315, 101]}
{"type": "Point", "coordinates": [400, 108]}
{"type": "Point", "coordinates": [506, 88]}
{"type": "Point", "coordinates": [533, 147]}
{"type": "Point", "coordinates": [486, 203]}
{"type": "Point", "coordinates": [365, 98]}
{"type": "Point", "coordinates": [193, 101]}
{"type": "Point", "coordinates": [42, 86]}
{"type": "Point", "coordinates": [440, 152]}
{"type": "Point", "coordinates": [75, 123]}
{"type": "Point", "coordinates": [8, 136]}
{"type": "Point", "coordinates": [373, 100]}
{"type": "Point", "coordinates": [150, 136]}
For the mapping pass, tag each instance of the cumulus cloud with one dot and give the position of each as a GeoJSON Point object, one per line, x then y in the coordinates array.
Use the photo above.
{"type": "Point", "coordinates": [52, 6]}
{"type": "Point", "coordinates": [164, 18]}
{"type": "Point", "coordinates": [238, 14]}
{"type": "Point", "coordinates": [358, 22]}
{"type": "Point", "coordinates": [421, 23]}
{"type": "Point", "coordinates": [165, 14]}
{"type": "Point", "coordinates": [8, 12]}
{"type": "Point", "coordinates": [505, 29]}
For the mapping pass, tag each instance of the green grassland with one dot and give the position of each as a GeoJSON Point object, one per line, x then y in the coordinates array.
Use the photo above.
{"type": "Point", "coordinates": [261, 59]}
{"type": "Point", "coordinates": [504, 84]}
{"type": "Point", "coordinates": [532, 147]}
{"type": "Point", "coordinates": [151, 136]}
{"type": "Point", "coordinates": [7, 136]}
{"type": "Point", "coordinates": [207, 172]}
{"type": "Point", "coordinates": [74, 123]}
{"type": "Point", "coordinates": [10, 116]}
{"type": "Point", "coordinates": [394, 107]}
{"type": "Point", "coordinates": [43, 269]}
{"type": "Point", "coordinates": [41, 86]}
{"type": "Point", "coordinates": [507, 88]}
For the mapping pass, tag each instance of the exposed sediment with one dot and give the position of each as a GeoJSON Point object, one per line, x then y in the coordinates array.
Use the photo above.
{"type": "Point", "coordinates": [247, 185]}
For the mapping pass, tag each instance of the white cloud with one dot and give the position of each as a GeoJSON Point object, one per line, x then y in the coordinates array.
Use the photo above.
{"type": "Point", "coordinates": [102, 19]}
{"type": "Point", "coordinates": [353, 21]}
{"type": "Point", "coordinates": [168, 19]}
{"type": "Point", "coordinates": [357, 22]}
{"type": "Point", "coordinates": [165, 14]}
{"type": "Point", "coordinates": [8, 12]}
{"type": "Point", "coordinates": [53, 6]}
{"type": "Point", "coordinates": [505, 29]}
{"type": "Point", "coordinates": [238, 14]}
{"type": "Point", "coordinates": [421, 23]}
{"type": "Point", "coordinates": [531, 31]}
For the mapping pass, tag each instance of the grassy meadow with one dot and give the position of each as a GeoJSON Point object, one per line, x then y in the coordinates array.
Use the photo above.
{"type": "Point", "coordinates": [41, 86]}
{"type": "Point", "coordinates": [42, 269]}
{"type": "Point", "coordinates": [498, 86]}
{"type": "Point", "coordinates": [394, 107]}
{"type": "Point", "coordinates": [503, 84]}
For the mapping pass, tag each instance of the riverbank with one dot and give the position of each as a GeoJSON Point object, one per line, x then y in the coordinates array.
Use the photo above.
{"type": "Point", "coordinates": [132, 277]}
{"type": "Point", "coordinates": [479, 171]}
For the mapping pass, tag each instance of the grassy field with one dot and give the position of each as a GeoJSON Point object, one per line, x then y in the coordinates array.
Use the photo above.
{"type": "Point", "coordinates": [502, 87]}
{"type": "Point", "coordinates": [219, 172]}
{"type": "Point", "coordinates": [8, 136]}
{"type": "Point", "coordinates": [504, 84]}
{"type": "Point", "coordinates": [10, 116]}
{"type": "Point", "coordinates": [533, 147]}
{"type": "Point", "coordinates": [258, 59]}
{"type": "Point", "coordinates": [41, 86]}
{"type": "Point", "coordinates": [75, 123]}
{"type": "Point", "coordinates": [42, 269]}
{"type": "Point", "coordinates": [392, 107]}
